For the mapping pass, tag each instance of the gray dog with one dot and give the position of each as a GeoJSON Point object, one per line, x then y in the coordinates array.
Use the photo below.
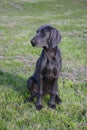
{"type": "Point", "coordinates": [45, 77]}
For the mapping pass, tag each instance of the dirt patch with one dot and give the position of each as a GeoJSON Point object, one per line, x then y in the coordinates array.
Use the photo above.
{"type": "Point", "coordinates": [77, 75]}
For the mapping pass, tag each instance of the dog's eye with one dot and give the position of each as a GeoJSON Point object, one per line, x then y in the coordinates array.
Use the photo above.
{"type": "Point", "coordinates": [42, 33]}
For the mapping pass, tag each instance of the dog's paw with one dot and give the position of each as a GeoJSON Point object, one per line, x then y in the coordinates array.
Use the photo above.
{"type": "Point", "coordinates": [53, 106]}
{"type": "Point", "coordinates": [58, 101]}
{"type": "Point", "coordinates": [39, 107]}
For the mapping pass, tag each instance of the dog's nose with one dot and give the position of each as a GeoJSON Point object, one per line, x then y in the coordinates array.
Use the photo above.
{"type": "Point", "coordinates": [32, 42]}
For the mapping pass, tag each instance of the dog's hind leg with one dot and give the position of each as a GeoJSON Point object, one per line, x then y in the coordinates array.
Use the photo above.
{"type": "Point", "coordinates": [32, 86]}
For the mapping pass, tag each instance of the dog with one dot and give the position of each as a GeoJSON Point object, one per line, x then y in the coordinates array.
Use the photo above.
{"type": "Point", "coordinates": [45, 77]}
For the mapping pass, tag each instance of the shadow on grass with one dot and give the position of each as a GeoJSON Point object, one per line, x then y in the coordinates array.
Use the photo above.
{"type": "Point", "coordinates": [17, 83]}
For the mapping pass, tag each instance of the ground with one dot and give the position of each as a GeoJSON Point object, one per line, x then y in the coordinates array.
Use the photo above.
{"type": "Point", "coordinates": [19, 20]}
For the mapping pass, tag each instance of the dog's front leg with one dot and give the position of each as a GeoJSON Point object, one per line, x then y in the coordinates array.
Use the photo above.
{"type": "Point", "coordinates": [53, 94]}
{"type": "Point", "coordinates": [39, 94]}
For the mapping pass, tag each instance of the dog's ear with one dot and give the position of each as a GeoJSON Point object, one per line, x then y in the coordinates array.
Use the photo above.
{"type": "Point", "coordinates": [55, 38]}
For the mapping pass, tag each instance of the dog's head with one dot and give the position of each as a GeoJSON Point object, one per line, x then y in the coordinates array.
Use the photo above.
{"type": "Point", "coordinates": [46, 36]}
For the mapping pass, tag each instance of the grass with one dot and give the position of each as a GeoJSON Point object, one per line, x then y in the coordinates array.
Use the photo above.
{"type": "Point", "coordinates": [18, 21]}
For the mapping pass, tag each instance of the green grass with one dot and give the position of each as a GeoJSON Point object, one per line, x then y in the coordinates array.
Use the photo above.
{"type": "Point", "coordinates": [19, 20]}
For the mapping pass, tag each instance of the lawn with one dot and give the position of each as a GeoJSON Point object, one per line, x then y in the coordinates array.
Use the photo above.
{"type": "Point", "coordinates": [19, 20]}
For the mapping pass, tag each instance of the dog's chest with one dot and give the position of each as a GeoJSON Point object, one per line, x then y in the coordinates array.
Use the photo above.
{"type": "Point", "coordinates": [50, 70]}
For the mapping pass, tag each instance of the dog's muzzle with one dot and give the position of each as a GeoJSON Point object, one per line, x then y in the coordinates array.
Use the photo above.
{"type": "Point", "coordinates": [32, 42]}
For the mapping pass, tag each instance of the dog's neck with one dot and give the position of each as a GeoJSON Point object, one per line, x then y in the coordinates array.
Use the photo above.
{"type": "Point", "coordinates": [50, 53]}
